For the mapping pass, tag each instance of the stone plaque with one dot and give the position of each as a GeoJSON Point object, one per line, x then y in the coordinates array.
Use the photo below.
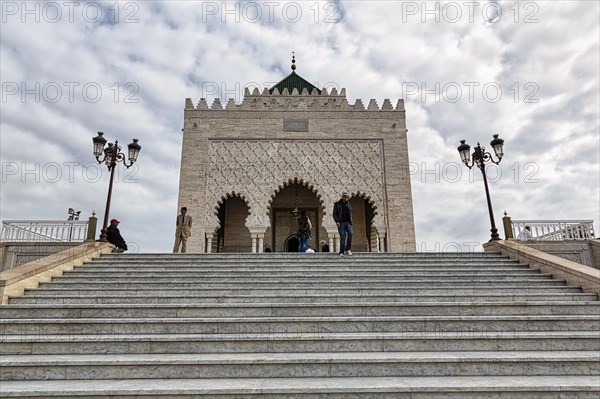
{"type": "Point", "coordinates": [295, 125]}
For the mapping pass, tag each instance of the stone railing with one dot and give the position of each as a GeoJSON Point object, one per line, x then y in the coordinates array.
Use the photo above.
{"type": "Point", "coordinates": [14, 282]}
{"type": "Point", "coordinates": [23, 241]}
{"type": "Point", "coordinates": [44, 230]}
{"type": "Point", "coordinates": [550, 230]}
{"type": "Point", "coordinates": [556, 230]}
{"type": "Point", "coordinates": [574, 273]}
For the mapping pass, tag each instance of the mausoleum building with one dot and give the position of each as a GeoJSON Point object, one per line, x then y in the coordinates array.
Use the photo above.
{"type": "Point", "coordinates": [247, 169]}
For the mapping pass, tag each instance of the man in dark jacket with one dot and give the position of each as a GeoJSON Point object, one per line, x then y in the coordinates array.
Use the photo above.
{"type": "Point", "coordinates": [113, 235]}
{"type": "Point", "coordinates": [342, 215]}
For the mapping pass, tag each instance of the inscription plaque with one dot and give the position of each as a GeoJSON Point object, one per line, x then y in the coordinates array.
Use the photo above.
{"type": "Point", "coordinates": [295, 125]}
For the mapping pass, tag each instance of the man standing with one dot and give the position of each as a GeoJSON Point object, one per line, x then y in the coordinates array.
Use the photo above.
{"type": "Point", "coordinates": [113, 235]}
{"type": "Point", "coordinates": [182, 231]}
{"type": "Point", "coordinates": [342, 215]}
{"type": "Point", "coordinates": [304, 231]}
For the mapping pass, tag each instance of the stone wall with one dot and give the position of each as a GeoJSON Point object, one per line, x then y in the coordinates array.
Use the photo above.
{"type": "Point", "coordinates": [13, 254]}
{"type": "Point", "coordinates": [577, 251]}
{"type": "Point", "coordinates": [595, 250]}
{"type": "Point", "coordinates": [574, 273]}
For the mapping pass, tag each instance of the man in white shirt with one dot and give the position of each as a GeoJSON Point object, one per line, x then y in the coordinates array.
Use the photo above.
{"type": "Point", "coordinates": [525, 234]}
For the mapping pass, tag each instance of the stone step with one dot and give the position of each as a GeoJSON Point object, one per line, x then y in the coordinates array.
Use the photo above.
{"type": "Point", "coordinates": [259, 277]}
{"type": "Point", "coordinates": [335, 264]}
{"type": "Point", "coordinates": [313, 262]}
{"type": "Point", "coordinates": [132, 297]}
{"type": "Point", "coordinates": [175, 278]}
{"type": "Point", "coordinates": [260, 257]}
{"type": "Point", "coordinates": [236, 325]}
{"type": "Point", "coordinates": [480, 325]}
{"type": "Point", "coordinates": [438, 341]}
{"type": "Point", "coordinates": [88, 273]}
{"type": "Point", "coordinates": [297, 365]}
{"type": "Point", "coordinates": [157, 290]}
{"type": "Point", "coordinates": [448, 387]}
{"type": "Point", "coordinates": [73, 311]}
{"type": "Point", "coordinates": [304, 283]}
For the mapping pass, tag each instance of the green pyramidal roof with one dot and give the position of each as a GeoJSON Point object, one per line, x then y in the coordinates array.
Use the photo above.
{"type": "Point", "coordinates": [294, 81]}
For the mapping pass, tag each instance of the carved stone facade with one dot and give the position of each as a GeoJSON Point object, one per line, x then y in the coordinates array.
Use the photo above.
{"type": "Point", "coordinates": [315, 141]}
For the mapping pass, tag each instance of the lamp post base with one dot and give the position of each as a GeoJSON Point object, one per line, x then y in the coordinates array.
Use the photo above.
{"type": "Point", "coordinates": [103, 236]}
{"type": "Point", "coordinates": [495, 235]}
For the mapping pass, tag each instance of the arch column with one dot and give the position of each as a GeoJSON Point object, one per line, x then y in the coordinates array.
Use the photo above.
{"type": "Point", "coordinates": [333, 235]}
{"type": "Point", "coordinates": [211, 225]}
{"type": "Point", "coordinates": [257, 225]}
{"type": "Point", "coordinates": [209, 237]}
{"type": "Point", "coordinates": [381, 237]}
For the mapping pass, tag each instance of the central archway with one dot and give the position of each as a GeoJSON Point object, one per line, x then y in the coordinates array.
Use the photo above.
{"type": "Point", "coordinates": [291, 198]}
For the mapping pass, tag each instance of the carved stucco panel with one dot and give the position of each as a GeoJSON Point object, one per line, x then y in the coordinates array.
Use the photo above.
{"type": "Point", "coordinates": [255, 169]}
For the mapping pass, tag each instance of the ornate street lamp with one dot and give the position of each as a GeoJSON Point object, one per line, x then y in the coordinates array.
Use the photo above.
{"type": "Point", "coordinates": [480, 157]}
{"type": "Point", "coordinates": [73, 215]}
{"type": "Point", "coordinates": [112, 155]}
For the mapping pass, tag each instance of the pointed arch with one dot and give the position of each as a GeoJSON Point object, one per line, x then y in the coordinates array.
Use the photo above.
{"type": "Point", "coordinates": [231, 234]}
{"type": "Point", "coordinates": [228, 195]}
{"type": "Point", "coordinates": [364, 210]}
{"type": "Point", "coordinates": [367, 198]}
{"type": "Point", "coordinates": [290, 182]}
{"type": "Point", "coordinates": [291, 195]}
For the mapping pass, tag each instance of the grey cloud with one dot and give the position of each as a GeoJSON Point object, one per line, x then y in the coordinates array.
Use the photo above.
{"type": "Point", "coordinates": [173, 50]}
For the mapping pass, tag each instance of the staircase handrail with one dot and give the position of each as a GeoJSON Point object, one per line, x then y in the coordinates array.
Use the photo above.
{"type": "Point", "coordinates": [44, 230]}
{"type": "Point", "coordinates": [556, 230]}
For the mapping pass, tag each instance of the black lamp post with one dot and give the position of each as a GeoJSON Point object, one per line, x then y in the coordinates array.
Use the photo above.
{"type": "Point", "coordinates": [112, 155]}
{"type": "Point", "coordinates": [480, 157]}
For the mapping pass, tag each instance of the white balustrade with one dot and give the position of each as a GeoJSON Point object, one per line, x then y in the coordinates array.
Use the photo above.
{"type": "Point", "coordinates": [44, 230]}
{"type": "Point", "coordinates": [556, 230]}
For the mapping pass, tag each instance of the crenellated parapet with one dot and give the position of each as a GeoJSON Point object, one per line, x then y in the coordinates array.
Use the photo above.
{"type": "Point", "coordinates": [274, 101]}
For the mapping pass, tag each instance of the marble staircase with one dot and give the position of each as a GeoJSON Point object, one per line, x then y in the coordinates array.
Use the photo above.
{"type": "Point", "coordinates": [464, 325]}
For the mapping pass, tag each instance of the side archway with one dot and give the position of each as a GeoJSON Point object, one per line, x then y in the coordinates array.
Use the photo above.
{"type": "Point", "coordinates": [232, 235]}
{"type": "Point", "coordinates": [363, 215]}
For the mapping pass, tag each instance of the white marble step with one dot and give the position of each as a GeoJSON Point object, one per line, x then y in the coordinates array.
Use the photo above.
{"type": "Point", "coordinates": [248, 260]}
{"type": "Point", "coordinates": [368, 265]}
{"type": "Point", "coordinates": [308, 264]}
{"type": "Point", "coordinates": [450, 387]}
{"type": "Point", "coordinates": [324, 284]}
{"type": "Point", "coordinates": [265, 279]}
{"type": "Point", "coordinates": [241, 342]}
{"type": "Point", "coordinates": [287, 256]}
{"type": "Point", "coordinates": [135, 297]}
{"type": "Point", "coordinates": [256, 275]}
{"type": "Point", "coordinates": [296, 325]}
{"type": "Point", "coordinates": [52, 289]}
{"type": "Point", "coordinates": [296, 365]}
{"type": "Point", "coordinates": [373, 309]}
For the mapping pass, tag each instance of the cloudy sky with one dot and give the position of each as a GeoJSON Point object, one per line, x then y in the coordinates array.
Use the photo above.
{"type": "Point", "coordinates": [526, 70]}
